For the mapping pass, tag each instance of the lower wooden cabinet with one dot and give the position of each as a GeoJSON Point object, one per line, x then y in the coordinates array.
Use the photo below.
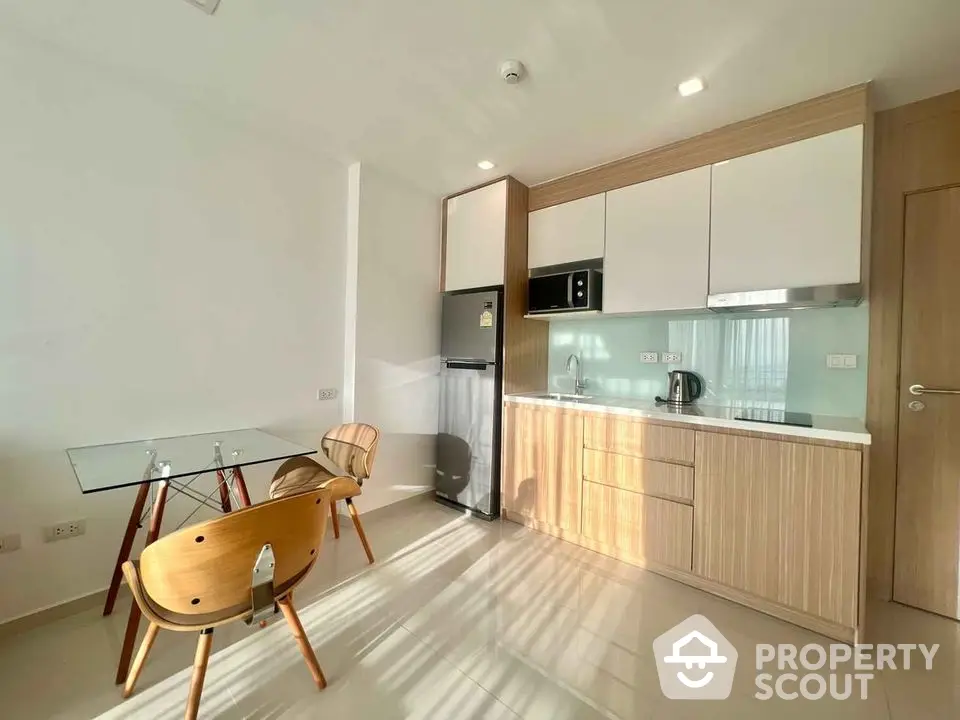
{"type": "Point", "coordinates": [542, 464]}
{"type": "Point", "coordinates": [650, 477]}
{"type": "Point", "coordinates": [773, 524]}
{"type": "Point", "coordinates": [780, 520]}
{"type": "Point", "coordinates": [639, 527]}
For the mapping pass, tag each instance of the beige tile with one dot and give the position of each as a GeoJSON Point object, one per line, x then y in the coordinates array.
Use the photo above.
{"type": "Point", "coordinates": [459, 618]}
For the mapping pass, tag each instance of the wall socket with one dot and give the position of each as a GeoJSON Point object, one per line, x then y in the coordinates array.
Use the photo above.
{"type": "Point", "coordinates": [64, 530]}
{"type": "Point", "coordinates": [9, 543]}
{"type": "Point", "coordinates": [327, 394]}
{"type": "Point", "coordinates": [842, 362]}
{"type": "Point", "coordinates": [670, 357]}
{"type": "Point", "coordinates": [649, 357]}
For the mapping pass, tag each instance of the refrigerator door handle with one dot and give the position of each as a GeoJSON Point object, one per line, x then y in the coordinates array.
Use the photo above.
{"type": "Point", "coordinates": [467, 364]}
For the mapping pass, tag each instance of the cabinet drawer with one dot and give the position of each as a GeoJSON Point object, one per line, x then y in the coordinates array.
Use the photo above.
{"type": "Point", "coordinates": [639, 439]}
{"type": "Point", "coordinates": [651, 477]}
{"type": "Point", "coordinates": [641, 527]}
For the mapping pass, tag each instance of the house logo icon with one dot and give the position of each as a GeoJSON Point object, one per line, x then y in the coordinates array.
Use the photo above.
{"type": "Point", "coordinates": [695, 661]}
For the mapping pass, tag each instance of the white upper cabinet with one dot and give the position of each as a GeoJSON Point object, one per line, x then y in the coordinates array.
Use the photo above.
{"type": "Point", "coordinates": [475, 239]}
{"type": "Point", "coordinates": [658, 244]}
{"type": "Point", "coordinates": [566, 233]}
{"type": "Point", "coordinates": [790, 216]}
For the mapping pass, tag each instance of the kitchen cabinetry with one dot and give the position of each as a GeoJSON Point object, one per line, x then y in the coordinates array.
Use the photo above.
{"type": "Point", "coordinates": [566, 233]}
{"type": "Point", "coordinates": [638, 438]}
{"type": "Point", "coordinates": [542, 464]}
{"type": "Point", "coordinates": [639, 528]}
{"type": "Point", "coordinates": [658, 244]}
{"type": "Point", "coordinates": [475, 238]}
{"type": "Point", "coordinates": [788, 217]}
{"type": "Point", "coordinates": [780, 520]}
{"type": "Point", "coordinates": [771, 522]}
{"type": "Point", "coordinates": [651, 477]}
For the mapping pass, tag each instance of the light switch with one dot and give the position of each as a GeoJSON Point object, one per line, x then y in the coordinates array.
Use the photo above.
{"type": "Point", "coordinates": [849, 361]}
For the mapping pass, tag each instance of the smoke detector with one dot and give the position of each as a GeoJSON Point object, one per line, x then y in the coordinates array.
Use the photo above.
{"type": "Point", "coordinates": [208, 6]}
{"type": "Point", "coordinates": [512, 71]}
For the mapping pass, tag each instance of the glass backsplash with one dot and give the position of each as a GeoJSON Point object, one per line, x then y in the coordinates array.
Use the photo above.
{"type": "Point", "coordinates": [759, 359]}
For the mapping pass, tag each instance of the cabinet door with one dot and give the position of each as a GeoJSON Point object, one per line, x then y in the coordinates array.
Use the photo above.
{"type": "Point", "coordinates": [788, 217]}
{"type": "Point", "coordinates": [639, 527]}
{"type": "Point", "coordinates": [475, 238]}
{"type": "Point", "coordinates": [566, 233]}
{"type": "Point", "coordinates": [658, 244]}
{"type": "Point", "coordinates": [780, 520]}
{"type": "Point", "coordinates": [542, 464]}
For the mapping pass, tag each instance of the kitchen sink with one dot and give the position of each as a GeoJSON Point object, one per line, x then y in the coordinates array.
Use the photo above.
{"type": "Point", "coordinates": [565, 397]}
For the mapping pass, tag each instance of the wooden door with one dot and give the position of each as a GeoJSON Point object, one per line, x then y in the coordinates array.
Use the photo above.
{"type": "Point", "coordinates": [927, 552]}
{"type": "Point", "coordinates": [658, 244]}
{"type": "Point", "coordinates": [780, 520]}
{"type": "Point", "coordinates": [543, 464]}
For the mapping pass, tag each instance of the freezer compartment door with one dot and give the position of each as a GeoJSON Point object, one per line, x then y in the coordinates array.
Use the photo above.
{"type": "Point", "coordinates": [467, 444]}
{"type": "Point", "coordinates": [469, 328]}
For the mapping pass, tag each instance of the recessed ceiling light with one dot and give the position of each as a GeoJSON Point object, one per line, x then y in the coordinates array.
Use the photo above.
{"type": "Point", "coordinates": [485, 165]}
{"type": "Point", "coordinates": [690, 87]}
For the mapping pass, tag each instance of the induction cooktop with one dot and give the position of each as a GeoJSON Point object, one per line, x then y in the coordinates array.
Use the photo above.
{"type": "Point", "coordinates": [775, 417]}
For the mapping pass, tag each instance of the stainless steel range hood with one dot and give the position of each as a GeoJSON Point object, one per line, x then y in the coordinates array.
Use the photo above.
{"type": "Point", "coordinates": [788, 298]}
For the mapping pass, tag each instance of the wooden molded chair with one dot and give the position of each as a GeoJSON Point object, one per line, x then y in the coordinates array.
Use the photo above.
{"type": "Point", "coordinates": [352, 448]}
{"type": "Point", "coordinates": [202, 577]}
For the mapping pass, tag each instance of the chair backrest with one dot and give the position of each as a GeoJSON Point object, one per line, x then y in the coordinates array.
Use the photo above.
{"type": "Point", "coordinates": [352, 447]}
{"type": "Point", "coordinates": [205, 571]}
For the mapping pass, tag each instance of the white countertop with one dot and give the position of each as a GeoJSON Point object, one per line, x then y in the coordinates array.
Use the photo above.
{"type": "Point", "coordinates": [825, 427]}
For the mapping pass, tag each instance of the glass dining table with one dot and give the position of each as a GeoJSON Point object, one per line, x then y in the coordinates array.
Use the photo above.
{"type": "Point", "coordinates": [164, 468]}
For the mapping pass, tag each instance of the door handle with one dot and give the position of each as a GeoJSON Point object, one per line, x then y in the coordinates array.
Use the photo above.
{"type": "Point", "coordinates": [921, 390]}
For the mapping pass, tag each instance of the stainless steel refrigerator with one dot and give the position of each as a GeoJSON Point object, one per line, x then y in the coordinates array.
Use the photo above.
{"type": "Point", "coordinates": [471, 378]}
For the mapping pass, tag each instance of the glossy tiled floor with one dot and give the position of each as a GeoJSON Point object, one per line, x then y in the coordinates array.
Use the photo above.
{"type": "Point", "coordinates": [459, 619]}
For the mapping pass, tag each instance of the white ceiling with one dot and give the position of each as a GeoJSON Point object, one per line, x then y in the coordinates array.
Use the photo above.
{"type": "Point", "coordinates": [413, 85]}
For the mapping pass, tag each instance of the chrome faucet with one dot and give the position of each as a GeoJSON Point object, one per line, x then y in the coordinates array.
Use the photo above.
{"type": "Point", "coordinates": [579, 383]}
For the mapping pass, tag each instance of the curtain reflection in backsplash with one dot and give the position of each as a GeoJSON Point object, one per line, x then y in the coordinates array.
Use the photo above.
{"type": "Point", "coordinates": [775, 360]}
{"type": "Point", "coordinates": [744, 361]}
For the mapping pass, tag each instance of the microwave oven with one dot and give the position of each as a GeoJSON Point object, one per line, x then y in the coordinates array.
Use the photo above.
{"type": "Point", "coordinates": [572, 291]}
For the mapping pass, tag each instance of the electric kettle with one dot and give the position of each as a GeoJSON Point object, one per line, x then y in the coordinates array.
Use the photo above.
{"type": "Point", "coordinates": [683, 387]}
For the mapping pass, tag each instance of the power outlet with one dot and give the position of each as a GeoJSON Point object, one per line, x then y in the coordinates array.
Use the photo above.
{"type": "Point", "coordinates": [649, 357]}
{"type": "Point", "coordinates": [842, 362]}
{"type": "Point", "coordinates": [9, 543]}
{"type": "Point", "coordinates": [327, 394]}
{"type": "Point", "coordinates": [62, 531]}
{"type": "Point", "coordinates": [671, 357]}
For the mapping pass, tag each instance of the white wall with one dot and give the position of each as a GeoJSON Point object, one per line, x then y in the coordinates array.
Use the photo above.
{"type": "Point", "coordinates": [161, 272]}
{"type": "Point", "coordinates": [398, 333]}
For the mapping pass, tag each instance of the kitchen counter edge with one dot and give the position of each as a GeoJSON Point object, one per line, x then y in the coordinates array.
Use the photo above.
{"type": "Point", "coordinates": [825, 427]}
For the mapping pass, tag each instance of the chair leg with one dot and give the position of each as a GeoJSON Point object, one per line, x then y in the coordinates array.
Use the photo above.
{"type": "Point", "coordinates": [140, 659]}
{"type": "Point", "coordinates": [355, 516]}
{"type": "Point", "coordinates": [290, 615]}
{"type": "Point", "coordinates": [335, 519]}
{"type": "Point", "coordinates": [199, 672]}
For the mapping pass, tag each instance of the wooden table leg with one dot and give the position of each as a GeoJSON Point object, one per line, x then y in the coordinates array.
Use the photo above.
{"type": "Point", "coordinates": [224, 491]}
{"type": "Point", "coordinates": [133, 622]}
{"type": "Point", "coordinates": [241, 487]}
{"type": "Point", "coordinates": [133, 525]}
